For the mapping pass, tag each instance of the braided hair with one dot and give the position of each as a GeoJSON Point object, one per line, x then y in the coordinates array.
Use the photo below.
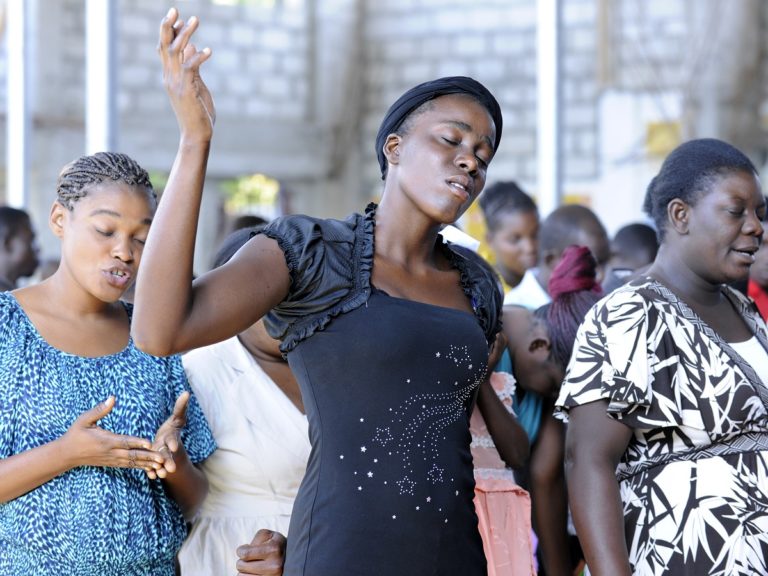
{"type": "Point", "coordinates": [78, 176]}
{"type": "Point", "coordinates": [689, 172]}
{"type": "Point", "coordinates": [504, 198]}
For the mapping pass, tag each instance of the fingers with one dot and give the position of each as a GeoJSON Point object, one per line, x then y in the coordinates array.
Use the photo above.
{"type": "Point", "coordinates": [265, 554]}
{"type": "Point", "coordinates": [90, 417]}
{"type": "Point", "coordinates": [183, 34]}
{"type": "Point", "coordinates": [130, 442]}
{"type": "Point", "coordinates": [180, 408]}
{"type": "Point", "coordinates": [167, 31]}
{"type": "Point", "coordinates": [169, 463]}
{"type": "Point", "coordinates": [135, 458]}
{"type": "Point", "coordinates": [262, 536]}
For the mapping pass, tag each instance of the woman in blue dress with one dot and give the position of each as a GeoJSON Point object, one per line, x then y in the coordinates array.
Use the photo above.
{"type": "Point", "coordinates": [386, 327]}
{"type": "Point", "coordinates": [98, 440]}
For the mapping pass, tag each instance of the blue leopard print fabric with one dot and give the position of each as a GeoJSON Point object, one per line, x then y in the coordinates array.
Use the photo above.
{"type": "Point", "coordinates": [89, 521]}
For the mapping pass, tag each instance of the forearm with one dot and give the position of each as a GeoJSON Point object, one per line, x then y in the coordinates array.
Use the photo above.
{"type": "Point", "coordinates": [164, 290]}
{"type": "Point", "coordinates": [549, 499]}
{"type": "Point", "coordinates": [22, 473]}
{"type": "Point", "coordinates": [509, 437]}
{"type": "Point", "coordinates": [598, 516]}
{"type": "Point", "coordinates": [188, 485]}
{"type": "Point", "coordinates": [594, 447]}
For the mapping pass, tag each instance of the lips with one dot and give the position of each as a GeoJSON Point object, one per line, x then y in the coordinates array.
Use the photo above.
{"type": "Point", "coordinates": [118, 276]}
{"type": "Point", "coordinates": [747, 253]}
{"type": "Point", "coordinates": [461, 186]}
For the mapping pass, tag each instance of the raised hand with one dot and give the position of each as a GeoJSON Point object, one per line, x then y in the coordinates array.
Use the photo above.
{"type": "Point", "coordinates": [264, 556]}
{"type": "Point", "coordinates": [190, 98]}
{"type": "Point", "coordinates": [85, 444]}
{"type": "Point", "coordinates": [168, 438]}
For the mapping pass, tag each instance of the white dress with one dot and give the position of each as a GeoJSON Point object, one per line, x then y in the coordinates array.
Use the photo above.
{"type": "Point", "coordinates": [255, 473]}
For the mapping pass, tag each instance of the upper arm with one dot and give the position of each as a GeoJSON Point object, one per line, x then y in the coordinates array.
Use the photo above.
{"type": "Point", "coordinates": [231, 298]}
{"type": "Point", "coordinates": [595, 437]}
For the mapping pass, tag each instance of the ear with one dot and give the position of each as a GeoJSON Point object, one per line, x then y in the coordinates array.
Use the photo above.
{"type": "Point", "coordinates": [57, 218]}
{"type": "Point", "coordinates": [678, 214]}
{"type": "Point", "coordinates": [392, 149]}
{"type": "Point", "coordinates": [550, 258]}
{"type": "Point", "coordinates": [540, 346]}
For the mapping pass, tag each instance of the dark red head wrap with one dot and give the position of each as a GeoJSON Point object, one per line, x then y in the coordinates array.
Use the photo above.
{"type": "Point", "coordinates": [427, 91]}
{"type": "Point", "coordinates": [575, 272]}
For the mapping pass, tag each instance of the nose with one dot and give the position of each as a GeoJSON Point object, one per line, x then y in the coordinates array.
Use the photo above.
{"type": "Point", "coordinates": [123, 249]}
{"type": "Point", "coordinates": [754, 226]}
{"type": "Point", "coordinates": [466, 161]}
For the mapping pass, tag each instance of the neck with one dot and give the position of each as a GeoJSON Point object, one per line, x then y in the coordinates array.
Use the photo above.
{"type": "Point", "coordinates": [71, 298]}
{"type": "Point", "coordinates": [674, 273]}
{"type": "Point", "coordinates": [405, 235]}
{"type": "Point", "coordinates": [511, 278]}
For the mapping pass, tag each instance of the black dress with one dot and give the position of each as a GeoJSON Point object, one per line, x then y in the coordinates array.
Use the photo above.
{"type": "Point", "coordinates": [388, 388]}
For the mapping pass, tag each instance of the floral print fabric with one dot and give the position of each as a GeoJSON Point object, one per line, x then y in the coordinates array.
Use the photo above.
{"type": "Point", "coordinates": [694, 478]}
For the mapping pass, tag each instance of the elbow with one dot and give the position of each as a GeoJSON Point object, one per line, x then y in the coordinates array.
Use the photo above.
{"type": "Point", "coordinates": [151, 344]}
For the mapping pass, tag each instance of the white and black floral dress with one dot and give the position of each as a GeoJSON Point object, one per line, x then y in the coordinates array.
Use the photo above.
{"type": "Point", "coordinates": [694, 478]}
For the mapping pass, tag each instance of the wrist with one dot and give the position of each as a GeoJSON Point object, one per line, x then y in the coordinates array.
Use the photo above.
{"type": "Point", "coordinates": [194, 142]}
{"type": "Point", "coordinates": [66, 454]}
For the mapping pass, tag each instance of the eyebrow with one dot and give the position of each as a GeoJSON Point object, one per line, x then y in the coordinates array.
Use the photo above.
{"type": "Point", "coordinates": [467, 128]}
{"type": "Point", "coordinates": [104, 211]}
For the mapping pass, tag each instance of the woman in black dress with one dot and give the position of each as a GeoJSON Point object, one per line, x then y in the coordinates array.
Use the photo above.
{"type": "Point", "coordinates": [386, 327]}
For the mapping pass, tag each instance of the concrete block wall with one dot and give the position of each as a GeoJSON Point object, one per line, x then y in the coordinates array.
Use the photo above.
{"type": "Point", "coordinates": [408, 42]}
{"type": "Point", "coordinates": [301, 85]}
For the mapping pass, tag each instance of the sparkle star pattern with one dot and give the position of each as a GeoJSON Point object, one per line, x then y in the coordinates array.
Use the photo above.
{"type": "Point", "coordinates": [435, 474]}
{"type": "Point", "coordinates": [413, 434]}
{"type": "Point", "coordinates": [383, 435]}
{"type": "Point", "coordinates": [406, 486]}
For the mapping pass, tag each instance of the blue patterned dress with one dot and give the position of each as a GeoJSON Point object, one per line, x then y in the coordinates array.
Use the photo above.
{"type": "Point", "coordinates": [89, 520]}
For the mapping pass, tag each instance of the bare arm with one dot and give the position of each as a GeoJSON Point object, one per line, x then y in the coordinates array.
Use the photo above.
{"type": "Point", "coordinates": [548, 494]}
{"type": "Point", "coordinates": [84, 444]}
{"type": "Point", "coordinates": [172, 314]}
{"type": "Point", "coordinates": [509, 437]}
{"type": "Point", "coordinates": [594, 446]}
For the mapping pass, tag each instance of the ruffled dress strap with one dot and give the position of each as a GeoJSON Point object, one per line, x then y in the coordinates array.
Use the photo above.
{"type": "Point", "coordinates": [330, 264]}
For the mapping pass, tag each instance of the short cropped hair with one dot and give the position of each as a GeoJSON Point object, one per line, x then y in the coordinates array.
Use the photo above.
{"type": "Point", "coordinates": [689, 172]}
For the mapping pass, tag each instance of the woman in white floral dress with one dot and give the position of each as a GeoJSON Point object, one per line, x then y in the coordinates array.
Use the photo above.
{"type": "Point", "coordinates": [667, 444]}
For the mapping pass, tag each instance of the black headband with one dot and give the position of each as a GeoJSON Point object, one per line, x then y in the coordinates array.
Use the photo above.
{"type": "Point", "coordinates": [427, 91]}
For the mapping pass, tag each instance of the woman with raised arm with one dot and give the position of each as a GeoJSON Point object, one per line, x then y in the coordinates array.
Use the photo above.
{"type": "Point", "coordinates": [386, 328]}
{"type": "Point", "coordinates": [667, 441]}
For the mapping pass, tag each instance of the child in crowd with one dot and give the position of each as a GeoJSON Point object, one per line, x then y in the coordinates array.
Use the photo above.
{"type": "Point", "coordinates": [540, 343]}
{"type": "Point", "coordinates": [98, 440]}
{"type": "Point", "coordinates": [633, 250]}
{"type": "Point", "coordinates": [567, 225]}
{"type": "Point", "coordinates": [512, 229]}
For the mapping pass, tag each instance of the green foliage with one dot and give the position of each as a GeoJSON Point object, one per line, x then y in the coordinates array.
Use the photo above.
{"type": "Point", "coordinates": [250, 192]}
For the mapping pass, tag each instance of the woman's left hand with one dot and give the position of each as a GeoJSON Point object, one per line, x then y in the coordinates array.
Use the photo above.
{"type": "Point", "coordinates": [168, 437]}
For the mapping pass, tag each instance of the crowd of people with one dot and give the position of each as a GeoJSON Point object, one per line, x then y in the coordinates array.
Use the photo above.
{"type": "Point", "coordinates": [362, 397]}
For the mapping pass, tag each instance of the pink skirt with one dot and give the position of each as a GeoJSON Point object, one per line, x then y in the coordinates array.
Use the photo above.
{"type": "Point", "coordinates": [504, 517]}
